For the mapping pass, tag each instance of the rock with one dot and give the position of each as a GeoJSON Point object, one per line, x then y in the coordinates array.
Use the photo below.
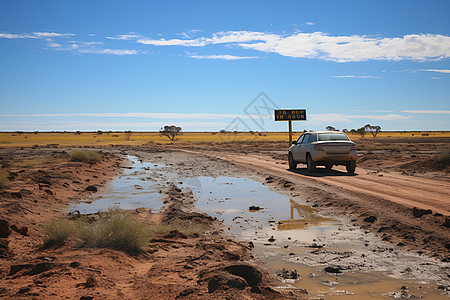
{"type": "Point", "coordinates": [91, 188]}
{"type": "Point", "coordinates": [335, 270]}
{"type": "Point", "coordinates": [49, 192]}
{"type": "Point", "coordinates": [22, 230]}
{"type": "Point", "coordinates": [4, 248]}
{"type": "Point", "coordinates": [175, 234]}
{"type": "Point", "coordinates": [447, 222]}
{"type": "Point", "coordinates": [370, 219]}
{"type": "Point", "coordinates": [223, 281]}
{"type": "Point", "coordinates": [237, 283]}
{"type": "Point", "coordinates": [254, 208]}
{"type": "Point", "coordinates": [271, 239]}
{"type": "Point", "coordinates": [417, 212]}
{"type": "Point", "coordinates": [5, 229]}
{"type": "Point", "coordinates": [40, 268]}
{"type": "Point", "coordinates": [23, 290]}
{"type": "Point", "coordinates": [286, 274]}
{"type": "Point", "coordinates": [185, 293]}
{"type": "Point", "coordinates": [74, 264]}
{"type": "Point", "coordinates": [251, 275]}
{"type": "Point", "coordinates": [34, 269]}
{"type": "Point", "coordinates": [86, 297]}
{"type": "Point", "coordinates": [16, 195]}
{"type": "Point", "coordinates": [89, 283]}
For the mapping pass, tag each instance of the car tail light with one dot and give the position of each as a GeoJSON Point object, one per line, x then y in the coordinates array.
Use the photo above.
{"type": "Point", "coordinates": [353, 147]}
{"type": "Point", "coordinates": [318, 147]}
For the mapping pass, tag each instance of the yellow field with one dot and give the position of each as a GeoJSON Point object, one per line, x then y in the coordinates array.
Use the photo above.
{"type": "Point", "coordinates": [28, 139]}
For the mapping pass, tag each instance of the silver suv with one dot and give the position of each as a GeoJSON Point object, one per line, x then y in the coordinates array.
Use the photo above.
{"type": "Point", "coordinates": [323, 148]}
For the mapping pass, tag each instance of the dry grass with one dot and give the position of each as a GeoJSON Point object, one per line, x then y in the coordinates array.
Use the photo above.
{"type": "Point", "coordinates": [442, 158]}
{"type": "Point", "coordinates": [30, 163]}
{"type": "Point", "coordinates": [85, 156]}
{"type": "Point", "coordinates": [140, 138]}
{"type": "Point", "coordinates": [114, 230]}
{"type": "Point", "coordinates": [58, 232]}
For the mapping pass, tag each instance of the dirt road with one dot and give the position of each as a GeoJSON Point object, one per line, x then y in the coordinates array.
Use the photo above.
{"type": "Point", "coordinates": [397, 205]}
{"type": "Point", "coordinates": [405, 190]}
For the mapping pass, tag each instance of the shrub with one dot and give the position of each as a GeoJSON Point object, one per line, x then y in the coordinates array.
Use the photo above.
{"type": "Point", "coordinates": [442, 158]}
{"type": "Point", "coordinates": [58, 232]}
{"type": "Point", "coordinates": [3, 178]}
{"type": "Point", "coordinates": [116, 231]}
{"type": "Point", "coordinates": [85, 156]}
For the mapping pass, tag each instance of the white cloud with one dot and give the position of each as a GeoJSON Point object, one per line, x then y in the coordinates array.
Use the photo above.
{"type": "Point", "coordinates": [309, 23]}
{"type": "Point", "coordinates": [108, 51]}
{"type": "Point", "coordinates": [322, 46]}
{"type": "Point", "coordinates": [125, 37]}
{"type": "Point", "coordinates": [175, 42]}
{"type": "Point", "coordinates": [436, 78]}
{"type": "Point", "coordinates": [51, 34]}
{"type": "Point", "coordinates": [320, 119]}
{"type": "Point", "coordinates": [224, 57]}
{"type": "Point", "coordinates": [426, 111]}
{"type": "Point", "coordinates": [354, 76]}
{"type": "Point", "coordinates": [435, 70]}
{"type": "Point", "coordinates": [203, 116]}
{"type": "Point", "coordinates": [10, 36]}
{"type": "Point", "coordinates": [54, 45]}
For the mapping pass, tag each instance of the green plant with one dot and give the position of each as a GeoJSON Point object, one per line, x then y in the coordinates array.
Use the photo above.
{"type": "Point", "coordinates": [58, 232]}
{"type": "Point", "coordinates": [85, 156]}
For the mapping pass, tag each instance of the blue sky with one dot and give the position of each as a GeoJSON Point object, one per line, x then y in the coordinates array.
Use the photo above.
{"type": "Point", "coordinates": [202, 65]}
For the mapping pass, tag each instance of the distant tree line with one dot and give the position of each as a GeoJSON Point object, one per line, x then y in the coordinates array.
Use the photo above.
{"type": "Point", "coordinates": [361, 131]}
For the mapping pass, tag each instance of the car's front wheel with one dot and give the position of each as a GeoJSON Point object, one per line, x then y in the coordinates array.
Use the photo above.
{"type": "Point", "coordinates": [292, 163]}
{"type": "Point", "coordinates": [310, 164]}
{"type": "Point", "coordinates": [351, 167]}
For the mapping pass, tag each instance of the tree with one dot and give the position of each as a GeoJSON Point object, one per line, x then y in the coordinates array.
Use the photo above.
{"type": "Point", "coordinates": [331, 128]}
{"type": "Point", "coordinates": [373, 129]}
{"type": "Point", "coordinates": [170, 131]}
{"type": "Point", "coordinates": [128, 134]}
{"type": "Point", "coordinates": [361, 131]}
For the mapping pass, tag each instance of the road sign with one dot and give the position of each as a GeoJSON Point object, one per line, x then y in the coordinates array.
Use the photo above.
{"type": "Point", "coordinates": [290, 115]}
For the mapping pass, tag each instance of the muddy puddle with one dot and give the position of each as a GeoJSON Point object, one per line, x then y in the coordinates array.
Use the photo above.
{"type": "Point", "coordinates": [287, 234]}
{"type": "Point", "coordinates": [138, 186]}
{"type": "Point", "coordinates": [290, 235]}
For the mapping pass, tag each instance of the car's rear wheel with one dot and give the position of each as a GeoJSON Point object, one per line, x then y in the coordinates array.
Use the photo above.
{"type": "Point", "coordinates": [311, 165]}
{"type": "Point", "coordinates": [292, 163]}
{"type": "Point", "coordinates": [351, 167]}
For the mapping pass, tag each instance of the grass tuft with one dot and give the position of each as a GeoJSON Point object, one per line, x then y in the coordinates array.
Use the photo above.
{"type": "Point", "coordinates": [113, 230]}
{"type": "Point", "coordinates": [85, 156]}
{"type": "Point", "coordinates": [116, 231]}
{"type": "Point", "coordinates": [58, 232]}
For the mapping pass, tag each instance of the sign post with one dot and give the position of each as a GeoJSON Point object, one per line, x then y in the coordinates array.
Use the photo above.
{"type": "Point", "coordinates": [290, 115]}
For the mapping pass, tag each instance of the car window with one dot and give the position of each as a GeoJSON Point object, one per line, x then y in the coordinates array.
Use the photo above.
{"type": "Point", "coordinates": [313, 138]}
{"type": "Point", "coordinates": [333, 137]}
{"type": "Point", "coordinates": [299, 141]}
{"type": "Point", "coordinates": [306, 139]}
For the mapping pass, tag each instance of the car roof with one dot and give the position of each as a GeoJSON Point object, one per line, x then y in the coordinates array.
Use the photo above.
{"type": "Point", "coordinates": [324, 132]}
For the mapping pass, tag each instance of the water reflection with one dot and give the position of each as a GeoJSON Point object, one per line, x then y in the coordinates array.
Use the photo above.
{"type": "Point", "coordinates": [305, 217]}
